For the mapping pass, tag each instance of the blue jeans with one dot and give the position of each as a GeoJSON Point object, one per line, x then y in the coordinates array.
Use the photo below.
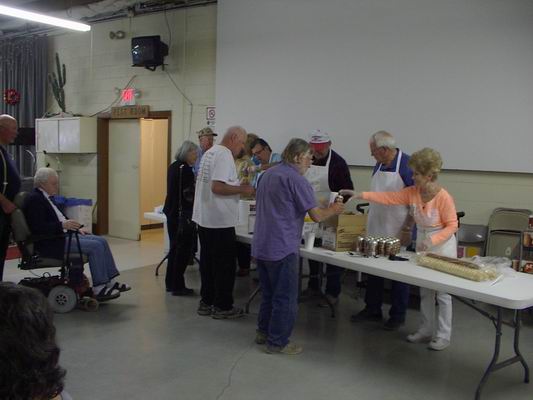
{"type": "Point", "coordinates": [279, 303]}
{"type": "Point", "coordinates": [101, 262]}
{"type": "Point", "coordinates": [399, 297]}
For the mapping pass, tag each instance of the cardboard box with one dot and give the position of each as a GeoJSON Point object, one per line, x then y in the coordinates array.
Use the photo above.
{"type": "Point", "coordinates": [339, 232]}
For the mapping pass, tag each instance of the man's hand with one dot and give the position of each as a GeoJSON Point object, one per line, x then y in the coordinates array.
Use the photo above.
{"type": "Point", "coordinates": [8, 207]}
{"type": "Point", "coordinates": [71, 225]}
{"type": "Point", "coordinates": [337, 207]}
{"type": "Point", "coordinates": [247, 190]}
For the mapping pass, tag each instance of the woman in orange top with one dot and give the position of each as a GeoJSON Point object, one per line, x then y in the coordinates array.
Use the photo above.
{"type": "Point", "coordinates": [433, 210]}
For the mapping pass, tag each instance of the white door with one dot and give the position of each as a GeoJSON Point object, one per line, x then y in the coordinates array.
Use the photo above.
{"type": "Point", "coordinates": [124, 156]}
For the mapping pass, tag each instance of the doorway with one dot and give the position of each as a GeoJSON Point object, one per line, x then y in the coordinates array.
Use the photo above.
{"type": "Point", "coordinates": [134, 169]}
{"type": "Point", "coordinates": [153, 166]}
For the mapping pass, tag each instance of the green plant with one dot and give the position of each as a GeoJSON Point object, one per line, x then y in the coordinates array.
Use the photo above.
{"type": "Point", "coordinates": [57, 82]}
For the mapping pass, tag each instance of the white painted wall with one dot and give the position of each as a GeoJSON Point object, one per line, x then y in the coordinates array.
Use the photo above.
{"type": "Point", "coordinates": [454, 75]}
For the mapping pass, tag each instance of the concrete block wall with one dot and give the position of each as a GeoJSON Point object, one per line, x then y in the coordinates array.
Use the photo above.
{"type": "Point", "coordinates": [475, 193]}
{"type": "Point", "coordinates": [96, 65]}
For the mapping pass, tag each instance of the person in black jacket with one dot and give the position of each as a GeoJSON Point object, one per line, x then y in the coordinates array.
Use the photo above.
{"type": "Point", "coordinates": [178, 210]}
{"type": "Point", "coordinates": [44, 218]}
{"type": "Point", "coordinates": [10, 179]}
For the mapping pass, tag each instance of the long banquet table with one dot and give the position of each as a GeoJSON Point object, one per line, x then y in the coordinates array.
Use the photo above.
{"type": "Point", "coordinates": [514, 292]}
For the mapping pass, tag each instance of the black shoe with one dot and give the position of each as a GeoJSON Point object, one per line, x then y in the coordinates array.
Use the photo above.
{"type": "Point", "coordinates": [366, 315]}
{"type": "Point", "coordinates": [183, 292]}
{"type": "Point", "coordinates": [107, 294]}
{"type": "Point", "coordinates": [393, 324]}
{"type": "Point", "coordinates": [233, 313]}
{"type": "Point", "coordinates": [204, 309]}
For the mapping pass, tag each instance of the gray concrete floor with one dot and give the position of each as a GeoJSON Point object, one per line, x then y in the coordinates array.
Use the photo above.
{"type": "Point", "coordinates": [150, 345]}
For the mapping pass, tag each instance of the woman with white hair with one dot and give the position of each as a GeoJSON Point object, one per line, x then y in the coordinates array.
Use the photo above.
{"type": "Point", "coordinates": [178, 210]}
{"type": "Point", "coordinates": [433, 210]}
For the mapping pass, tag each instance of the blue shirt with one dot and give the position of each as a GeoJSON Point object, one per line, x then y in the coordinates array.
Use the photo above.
{"type": "Point", "coordinates": [274, 158]}
{"type": "Point", "coordinates": [283, 198]}
{"type": "Point", "coordinates": [405, 172]}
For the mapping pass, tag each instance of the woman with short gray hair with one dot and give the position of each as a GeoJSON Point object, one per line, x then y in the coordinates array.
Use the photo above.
{"type": "Point", "coordinates": [178, 210]}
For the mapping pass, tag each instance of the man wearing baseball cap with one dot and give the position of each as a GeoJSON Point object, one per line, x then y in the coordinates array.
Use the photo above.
{"type": "Point", "coordinates": [206, 138]}
{"type": "Point", "coordinates": [328, 173]}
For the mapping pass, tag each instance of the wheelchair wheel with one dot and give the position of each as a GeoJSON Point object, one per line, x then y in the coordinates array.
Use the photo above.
{"type": "Point", "coordinates": [62, 299]}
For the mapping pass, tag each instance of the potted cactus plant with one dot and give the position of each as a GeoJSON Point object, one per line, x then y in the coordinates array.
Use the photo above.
{"type": "Point", "coordinates": [57, 82]}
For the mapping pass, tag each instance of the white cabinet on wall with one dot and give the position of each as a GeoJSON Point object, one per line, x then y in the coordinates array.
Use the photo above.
{"type": "Point", "coordinates": [66, 135]}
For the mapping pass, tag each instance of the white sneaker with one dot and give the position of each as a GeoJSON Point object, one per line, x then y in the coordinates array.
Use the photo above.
{"type": "Point", "coordinates": [418, 337]}
{"type": "Point", "coordinates": [438, 344]}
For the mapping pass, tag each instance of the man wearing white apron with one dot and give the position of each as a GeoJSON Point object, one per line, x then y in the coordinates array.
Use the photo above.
{"type": "Point", "coordinates": [328, 173]}
{"type": "Point", "coordinates": [391, 174]}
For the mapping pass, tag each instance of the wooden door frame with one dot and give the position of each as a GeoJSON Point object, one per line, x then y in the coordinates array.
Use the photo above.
{"type": "Point", "coordinates": [102, 166]}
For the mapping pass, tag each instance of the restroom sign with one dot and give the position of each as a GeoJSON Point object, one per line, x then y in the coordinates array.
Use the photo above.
{"type": "Point", "coordinates": [210, 113]}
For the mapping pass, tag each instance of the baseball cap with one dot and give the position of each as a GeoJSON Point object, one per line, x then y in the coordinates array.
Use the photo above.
{"type": "Point", "coordinates": [318, 136]}
{"type": "Point", "coordinates": [206, 132]}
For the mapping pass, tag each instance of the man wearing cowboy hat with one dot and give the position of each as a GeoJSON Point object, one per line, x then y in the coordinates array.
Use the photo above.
{"type": "Point", "coordinates": [328, 173]}
{"type": "Point", "coordinates": [206, 139]}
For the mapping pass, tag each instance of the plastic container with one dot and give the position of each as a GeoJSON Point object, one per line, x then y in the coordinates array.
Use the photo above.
{"type": "Point", "coordinates": [80, 210]}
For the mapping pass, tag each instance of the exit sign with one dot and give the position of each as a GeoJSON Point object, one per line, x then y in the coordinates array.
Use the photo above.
{"type": "Point", "coordinates": [127, 97]}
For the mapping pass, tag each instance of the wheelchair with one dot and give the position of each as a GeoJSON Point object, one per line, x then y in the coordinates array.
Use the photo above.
{"type": "Point", "coordinates": [68, 289]}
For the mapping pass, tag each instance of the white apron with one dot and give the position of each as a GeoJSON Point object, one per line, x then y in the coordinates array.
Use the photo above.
{"type": "Point", "coordinates": [318, 177]}
{"type": "Point", "coordinates": [440, 325]}
{"type": "Point", "coordinates": [387, 220]}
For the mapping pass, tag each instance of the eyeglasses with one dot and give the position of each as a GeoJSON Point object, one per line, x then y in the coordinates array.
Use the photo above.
{"type": "Point", "coordinates": [374, 151]}
{"type": "Point", "coordinates": [254, 153]}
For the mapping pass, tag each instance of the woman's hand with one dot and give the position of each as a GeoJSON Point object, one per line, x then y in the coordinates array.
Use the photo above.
{"type": "Point", "coordinates": [425, 245]}
{"type": "Point", "coordinates": [350, 194]}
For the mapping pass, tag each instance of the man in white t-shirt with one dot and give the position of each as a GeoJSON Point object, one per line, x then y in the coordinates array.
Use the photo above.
{"type": "Point", "coordinates": [216, 211]}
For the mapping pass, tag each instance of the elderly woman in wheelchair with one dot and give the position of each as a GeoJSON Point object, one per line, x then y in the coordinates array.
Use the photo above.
{"type": "Point", "coordinates": [48, 226]}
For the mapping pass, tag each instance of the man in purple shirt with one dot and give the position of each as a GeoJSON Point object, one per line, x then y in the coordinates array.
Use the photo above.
{"type": "Point", "coordinates": [283, 198]}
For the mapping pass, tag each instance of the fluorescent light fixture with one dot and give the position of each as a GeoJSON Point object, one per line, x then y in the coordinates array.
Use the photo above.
{"type": "Point", "coordinates": [44, 19]}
